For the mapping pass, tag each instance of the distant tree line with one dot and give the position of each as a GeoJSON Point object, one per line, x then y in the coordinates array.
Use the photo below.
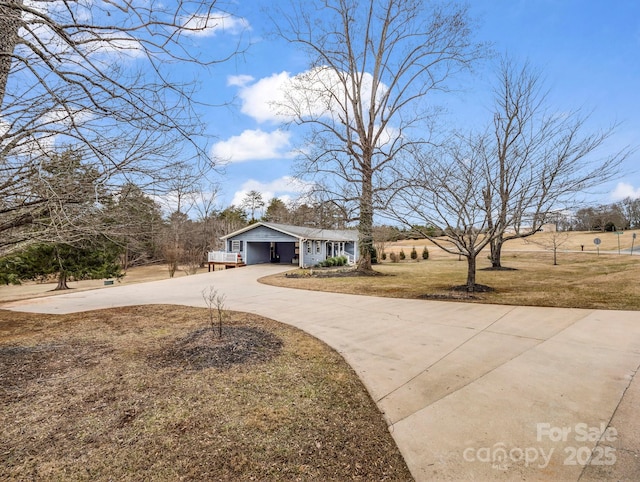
{"type": "Point", "coordinates": [103, 233]}
{"type": "Point", "coordinates": [608, 217]}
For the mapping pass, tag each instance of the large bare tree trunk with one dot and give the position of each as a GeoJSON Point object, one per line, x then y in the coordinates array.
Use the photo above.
{"type": "Point", "coordinates": [10, 21]}
{"type": "Point", "coordinates": [365, 227]}
{"type": "Point", "coordinates": [471, 273]}
{"type": "Point", "coordinates": [62, 281]}
{"type": "Point", "coordinates": [496, 253]}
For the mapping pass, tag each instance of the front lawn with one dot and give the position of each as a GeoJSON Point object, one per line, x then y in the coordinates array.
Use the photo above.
{"type": "Point", "coordinates": [148, 393]}
{"type": "Point", "coordinates": [580, 280]}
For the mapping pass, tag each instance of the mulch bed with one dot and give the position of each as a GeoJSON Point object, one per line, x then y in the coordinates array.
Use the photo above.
{"type": "Point", "coordinates": [334, 273]}
{"type": "Point", "coordinates": [204, 349]}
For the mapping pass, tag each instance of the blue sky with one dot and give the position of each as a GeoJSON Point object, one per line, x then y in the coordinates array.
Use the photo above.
{"type": "Point", "coordinates": [587, 50]}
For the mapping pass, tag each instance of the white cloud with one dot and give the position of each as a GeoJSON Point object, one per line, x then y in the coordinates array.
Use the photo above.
{"type": "Point", "coordinates": [314, 93]}
{"type": "Point", "coordinates": [624, 190]}
{"type": "Point", "coordinates": [253, 145]}
{"type": "Point", "coordinates": [285, 188]}
{"type": "Point", "coordinates": [239, 80]}
{"type": "Point", "coordinates": [210, 25]}
{"type": "Point", "coordinates": [260, 99]}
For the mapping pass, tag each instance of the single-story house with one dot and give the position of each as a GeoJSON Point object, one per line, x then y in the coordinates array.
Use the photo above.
{"type": "Point", "coordinates": [265, 242]}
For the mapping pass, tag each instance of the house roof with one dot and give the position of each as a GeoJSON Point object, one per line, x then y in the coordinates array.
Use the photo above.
{"type": "Point", "coordinates": [302, 232]}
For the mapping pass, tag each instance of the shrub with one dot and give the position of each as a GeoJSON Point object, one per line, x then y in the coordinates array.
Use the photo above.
{"type": "Point", "coordinates": [334, 261]}
{"type": "Point", "coordinates": [402, 255]}
{"type": "Point", "coordinates": [394, 257]}
{"type": "Point", "coordinates": [384, 256]}
{"type": "Point", "coordinates": [425, 253]}
{"type": "Point", "coordinates": [414, 253]}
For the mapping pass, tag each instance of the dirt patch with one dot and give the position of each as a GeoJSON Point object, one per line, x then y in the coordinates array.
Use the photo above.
{"type": "Point", "coordinates": [477, 288]}
{"type": "Point", "coordinates": [204, 349]}
{"type": "Point", "coordinates": [498, 268]}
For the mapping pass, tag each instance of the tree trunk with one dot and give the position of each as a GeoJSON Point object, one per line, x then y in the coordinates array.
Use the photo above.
{"type": "Point", "coordinates": [365, 227]}
{"type": "Point", "coordinates": [10, 22]}
{"type": "Point", "coordinates": [471, 272]}
{"type": "Point", "coordinates": [496, 253]}
{"type": "Point", "coordinates": [62, 281]}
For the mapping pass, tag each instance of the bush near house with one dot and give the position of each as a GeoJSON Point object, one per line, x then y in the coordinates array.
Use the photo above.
{"type": "Point", "coordinates": [334, 261]}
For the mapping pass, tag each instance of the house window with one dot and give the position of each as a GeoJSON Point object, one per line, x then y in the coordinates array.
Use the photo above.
{"type": "Point", "coordinates": [318, 247]}
{"type": "Point", "coordinates": [308, 247]}
{"type": "Point", "coordinates": [236, 246]}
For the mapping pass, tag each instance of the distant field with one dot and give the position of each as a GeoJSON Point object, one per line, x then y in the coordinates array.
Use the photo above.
{"type": "Point", "coordinates": [575, 241]}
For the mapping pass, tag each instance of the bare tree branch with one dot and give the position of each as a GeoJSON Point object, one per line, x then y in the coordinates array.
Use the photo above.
{"type": "Point", "coordinates": [100, 78]}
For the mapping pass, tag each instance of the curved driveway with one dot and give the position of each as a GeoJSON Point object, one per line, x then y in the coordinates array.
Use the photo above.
{"type": "Point", "coordinates": [469, 391]}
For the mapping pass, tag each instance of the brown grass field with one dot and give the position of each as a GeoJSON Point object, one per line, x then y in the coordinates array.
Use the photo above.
{"type": "Point", "coordinates": [582, 279]}
{"type": "Point", "coordinates": [147, 393]}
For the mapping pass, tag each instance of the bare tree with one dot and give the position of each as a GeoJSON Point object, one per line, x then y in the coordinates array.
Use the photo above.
{"type": "Point", "coordinates": [446, 188]}
{"type": "Point", "coordinates": [363, 98]}
{"type": "Point", "coordinates": [215, 302]}
{"type": "Point", "coordinates": [631, 210]}
{"type": "Point", "coordinates": [506, 183]}
{"type": "Point", "coordinates": [99, 77]}
{"type": "Point", "coordinates": [381, 236]}
{"type": "Point", "coordinates": [538, 160]}
{"type": "Point", "coordinates": [551, 241]}
{"type": "Point", "coordinates": [133, 221]}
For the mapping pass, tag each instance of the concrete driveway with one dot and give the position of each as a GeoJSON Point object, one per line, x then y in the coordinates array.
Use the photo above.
{"type": "Point", "coordinates": [470, 392]}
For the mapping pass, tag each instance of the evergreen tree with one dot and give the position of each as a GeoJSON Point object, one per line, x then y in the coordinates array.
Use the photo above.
{"type": "Point", "coordinates": [91, 260]}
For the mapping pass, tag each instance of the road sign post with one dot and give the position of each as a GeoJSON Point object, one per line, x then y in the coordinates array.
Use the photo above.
{"type": "Point", "coordinates": [619, 233]}
{"type": "Point", "coordinates": [597, 243]}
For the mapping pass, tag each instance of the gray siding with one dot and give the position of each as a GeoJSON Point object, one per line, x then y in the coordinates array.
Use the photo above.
{"type": "Point", "coordinates": [314, 257]}
{"type": "Point", "coordinates": [264, 234]}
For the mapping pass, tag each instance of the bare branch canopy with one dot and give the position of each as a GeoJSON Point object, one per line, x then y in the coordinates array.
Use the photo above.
{"type": "Point", "coordinates": [98, 78]}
